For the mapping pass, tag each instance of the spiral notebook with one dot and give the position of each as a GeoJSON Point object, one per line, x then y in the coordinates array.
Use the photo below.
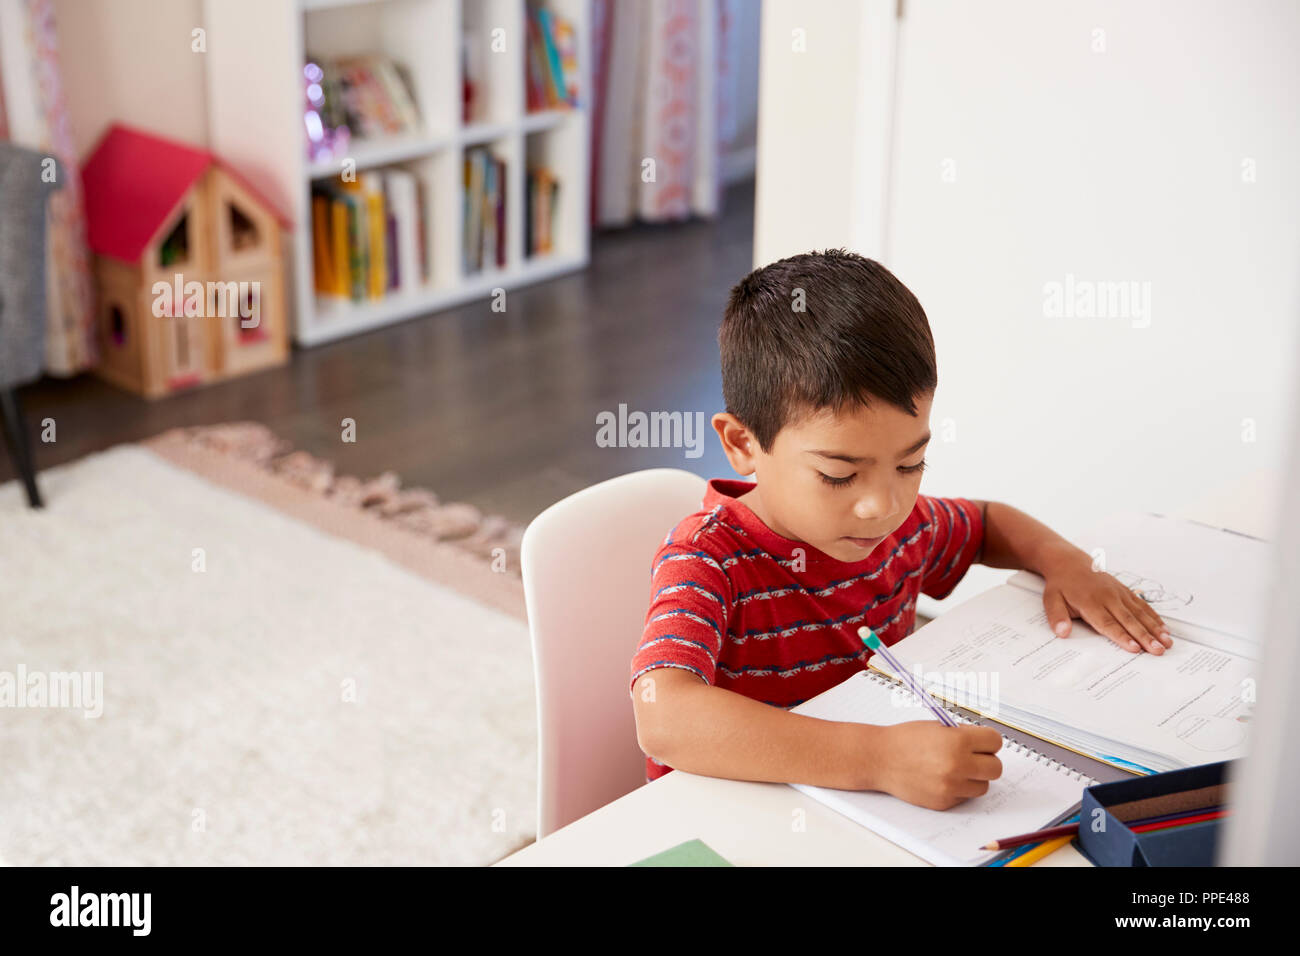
{"type": "Point", "coordinates": [1034, 791]}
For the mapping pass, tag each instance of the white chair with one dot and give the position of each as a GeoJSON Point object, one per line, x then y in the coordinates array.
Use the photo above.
{"type": "Point", "coordinates": [586, 569]}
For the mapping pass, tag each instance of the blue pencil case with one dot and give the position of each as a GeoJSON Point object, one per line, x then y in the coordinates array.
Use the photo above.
{"type": "Point", "coordinates": [1105, 837]}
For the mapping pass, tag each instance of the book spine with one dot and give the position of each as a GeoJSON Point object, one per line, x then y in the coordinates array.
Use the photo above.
{"type": "Point", "coordinates": [474, 245]}
{"type": "Point", "coordinates": [464, 213]}
{"type": "Point", "coordinates": [390, 251]}
{"type": "Point", "coordinates": [528, 214]}
{"type": "Point", "coordinates": [342, 246]}
{"type": "Point", "coordinates": [421, 233]}
{"type": "Point", "coordinates": [501, 213]}
{"type": "Point", "coordinates": [357, 260]}
{"type": "Point", "coordinates": [489, 209]}
{"type": "Point", "coordinates": [553, 199]}
{"type": "Point", "coordinates": [555, 72]}
{"type": "Point", "coordinates": [320, 245]}
{"type": "Point", "coordinates": [535, 55]}
{"type": "Point", "coordinates": [399, 95]}
{"type": "Point", "coordinates": [567, 44]}
{"type": "Point", "coordinates": [376, 219]}
{"type": "Point", "coordinates": [405, 251]}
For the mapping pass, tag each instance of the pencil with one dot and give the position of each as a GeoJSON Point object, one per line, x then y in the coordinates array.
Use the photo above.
{"type": "Point", "coordinates": [1065, 829]}
{"type": "Point", "coordinates": [1180, 821]}
{"type": "Point", "coordinates": [1040, 851]}
{"type": "Point", "coordinates": [1131, 824]}
{"type": "Point", "coordinates": [1137, 826]}
{"type": "Point", "coordinates": [876, 644]}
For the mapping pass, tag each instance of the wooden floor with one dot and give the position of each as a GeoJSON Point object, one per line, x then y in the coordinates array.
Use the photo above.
{"type": "Point", "coordinates": [497, 409]}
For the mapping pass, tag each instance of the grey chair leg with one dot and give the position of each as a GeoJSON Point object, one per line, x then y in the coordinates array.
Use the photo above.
{"type": "Point", "coordinates": [16, 437]}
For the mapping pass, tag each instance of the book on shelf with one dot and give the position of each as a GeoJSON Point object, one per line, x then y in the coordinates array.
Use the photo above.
{"type": "Point", "coordinates": [368, 235]}
{"type": "Point", "coordinates": [358, 245]}
{"type": "Point", "coordinates": [402, 189]}
{"type": "Point", "coordinates": [471, 77]}
{"type": "Point", "coordinates": [321, 258]}
{"type": "Point", "coordinates": [483, 238]}
{"type": "Point", "coordinates": [541, 191]}
{"type": "Point", "coordinates": [369, 94]}
{"type": "Point", "coordinates": [372, 190]}
{"type": "Point", "coordinates": [551, 61]}
{"type": "Point", "coordinates": [501, 213]}
{"type": "Point", "coordinates": [488, 211]}
{"type": "Point", "coordinates": [567, 43]}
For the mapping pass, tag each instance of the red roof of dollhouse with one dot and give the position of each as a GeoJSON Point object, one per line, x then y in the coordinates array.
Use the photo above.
{"type": "Point", "coordinates": [133, 180]}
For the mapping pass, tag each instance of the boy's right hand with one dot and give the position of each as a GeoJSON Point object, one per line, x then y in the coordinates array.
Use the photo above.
{"type": "Point", "coordinates": [934, 766]}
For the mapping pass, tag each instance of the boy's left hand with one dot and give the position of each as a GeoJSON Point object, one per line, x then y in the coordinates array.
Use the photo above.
{"type": "Point", "coordinates": [1074, 589]}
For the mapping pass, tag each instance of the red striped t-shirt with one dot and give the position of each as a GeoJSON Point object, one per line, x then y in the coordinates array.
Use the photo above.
{"type": "Point", "coordinates": [777, 620]}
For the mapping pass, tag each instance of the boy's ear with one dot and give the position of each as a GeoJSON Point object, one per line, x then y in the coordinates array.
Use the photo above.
{"type": "Point", "coordinates": [738, 444]}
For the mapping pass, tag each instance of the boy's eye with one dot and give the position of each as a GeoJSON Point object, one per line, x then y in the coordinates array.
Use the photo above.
{"type": "Point", "coordinates": [848, 479]}
{"type": "Point", "coordinates": [837, 482]}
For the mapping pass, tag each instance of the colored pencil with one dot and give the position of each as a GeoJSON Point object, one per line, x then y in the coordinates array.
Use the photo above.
{"type": "Point", "coordinates": [1066, 829]}
{"type": "Point", "coordinates": [1182, 822]}
{"type": "Point", "coordinates": [1137, 826]}
{"type": "Point", "coordinates": [1040, 851]}
{"type": "Point", "coordinates": [1171, 816]}
{"type": "Point", "coordinates": [876, 644]}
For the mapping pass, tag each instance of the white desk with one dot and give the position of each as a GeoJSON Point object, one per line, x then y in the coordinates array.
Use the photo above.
{"type": "Point", "coordinates": [749, 824]}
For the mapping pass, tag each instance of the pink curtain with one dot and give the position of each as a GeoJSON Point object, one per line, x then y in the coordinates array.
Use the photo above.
{"type": "Point", "coordinates": [663, 101]}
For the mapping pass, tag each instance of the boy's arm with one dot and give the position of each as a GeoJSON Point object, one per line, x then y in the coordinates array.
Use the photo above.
{"type": "Point", "coordinates": [700, 728]}
{"type": "Point", "coordinates": [1012, 539]}
{"type": "Point", "coordinates": [731, 735]}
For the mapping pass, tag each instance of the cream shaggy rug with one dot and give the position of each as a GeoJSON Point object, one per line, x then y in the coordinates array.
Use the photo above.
{"type": "Point", "coordinates": [281, 696]}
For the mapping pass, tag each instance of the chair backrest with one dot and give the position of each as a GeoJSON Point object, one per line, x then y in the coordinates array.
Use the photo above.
{"type": "Point", "coordinates": [26, 180]}
{"type": "Point", "coordinates": [586, 572]}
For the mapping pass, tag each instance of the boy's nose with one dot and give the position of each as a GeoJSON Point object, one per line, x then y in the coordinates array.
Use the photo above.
{"type": "Point", "coordinates": [875, 505]}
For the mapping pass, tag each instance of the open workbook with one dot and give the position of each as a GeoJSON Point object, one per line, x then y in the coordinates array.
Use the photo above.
{"type": "Point", "coordinates": [1033, 792]}
{"type": "Point", "coordinates": [1209, 584]}
{"type": "Point", "coordinates": [996, 655]}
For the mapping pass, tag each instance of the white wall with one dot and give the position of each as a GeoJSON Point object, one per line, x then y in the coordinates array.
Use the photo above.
{"type": "Point", "coordinates": [130, 61]}
{"type": "Point", "coordinates": [1021, 156]}
{"type": "Point", "coordinates": [823, 122]}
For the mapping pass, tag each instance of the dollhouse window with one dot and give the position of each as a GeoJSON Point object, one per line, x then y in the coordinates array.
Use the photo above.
{"type": "Point", "coordinates": [175, 249]}
{"type": "Point", "coordinates": [116, 326]}
{"type": "Point", "coordinates": [243, 233]}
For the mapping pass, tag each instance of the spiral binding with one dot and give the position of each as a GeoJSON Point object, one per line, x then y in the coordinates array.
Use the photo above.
{"type": "Point", "coordinates": [1008, 743]}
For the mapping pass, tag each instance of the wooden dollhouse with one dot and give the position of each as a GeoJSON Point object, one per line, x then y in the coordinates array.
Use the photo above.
{"type": "Point", "coordinates": [188, 264]}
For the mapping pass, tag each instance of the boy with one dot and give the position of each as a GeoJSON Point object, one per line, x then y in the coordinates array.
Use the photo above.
{"type": "Point", "coordinates": [828, 372]}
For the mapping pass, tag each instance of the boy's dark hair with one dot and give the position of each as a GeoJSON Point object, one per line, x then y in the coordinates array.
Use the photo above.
{"type": "Point", "coordinates": [861, 335]}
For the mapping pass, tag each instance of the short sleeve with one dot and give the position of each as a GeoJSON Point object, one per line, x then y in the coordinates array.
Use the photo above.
{"type": "Point", "coordinates": [955, 535]}
{"type": "Point", "coordinates": [687, 619]}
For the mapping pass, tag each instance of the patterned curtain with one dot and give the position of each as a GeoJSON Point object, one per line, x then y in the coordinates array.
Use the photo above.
{"type": "Point", "coordinates": [70, 329]}
{"type": "Point", "coordinates": [663, 107]}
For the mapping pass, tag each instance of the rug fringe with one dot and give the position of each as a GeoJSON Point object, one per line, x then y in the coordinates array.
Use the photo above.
{"type": "Point", "coordinates": [419, 510]}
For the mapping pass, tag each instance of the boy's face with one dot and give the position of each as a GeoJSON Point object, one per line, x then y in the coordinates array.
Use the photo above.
{"type": "Point", "coordinates": [839, 482]}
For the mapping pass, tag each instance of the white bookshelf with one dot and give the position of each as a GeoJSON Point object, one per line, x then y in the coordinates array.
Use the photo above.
{"type": "Point", "coordinates": [255, 54]}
